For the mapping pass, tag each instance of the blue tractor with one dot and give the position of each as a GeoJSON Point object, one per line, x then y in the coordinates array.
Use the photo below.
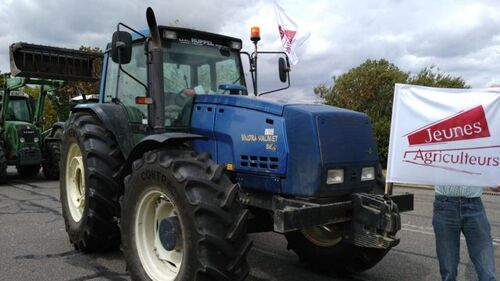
{"type": "Point", "coordinates": [178, 162]}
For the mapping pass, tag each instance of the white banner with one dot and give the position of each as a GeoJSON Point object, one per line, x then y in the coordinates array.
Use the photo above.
{"type": "Point", "coordinates": [292, 37]}
{"type": "Point", "coordinates": [445, 136]}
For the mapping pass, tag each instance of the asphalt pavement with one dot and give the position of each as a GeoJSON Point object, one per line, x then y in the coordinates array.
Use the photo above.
{"type": "Point", "coordinates": [34, 244]}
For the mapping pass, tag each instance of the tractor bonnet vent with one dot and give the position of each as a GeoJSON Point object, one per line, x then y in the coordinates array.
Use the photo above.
{"type": "Point", "coordinates": [259, 162]}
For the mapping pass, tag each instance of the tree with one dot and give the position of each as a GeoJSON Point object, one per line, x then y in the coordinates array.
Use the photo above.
{"type": "Point", "coordinates": [432, 77]}
{"type": "Point", "coordinates": [369, 88]}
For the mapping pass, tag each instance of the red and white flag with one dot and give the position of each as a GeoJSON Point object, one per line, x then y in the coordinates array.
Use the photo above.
{"type": "Point", "coordinates": [445, 136]}
{"type": "Point", "coordinates": [292, 37]}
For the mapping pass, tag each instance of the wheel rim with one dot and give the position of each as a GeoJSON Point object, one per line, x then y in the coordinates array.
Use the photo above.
{"type": "Point", "coordinates": [159, 263]}
{"type": "Point", "coordinates": [323, 235]}
{"type": "Point", "coordinates": [75, 182]}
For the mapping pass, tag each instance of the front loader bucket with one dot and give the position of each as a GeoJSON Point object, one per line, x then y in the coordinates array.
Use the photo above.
{"type": "Point", "coordinates": [46, 62]}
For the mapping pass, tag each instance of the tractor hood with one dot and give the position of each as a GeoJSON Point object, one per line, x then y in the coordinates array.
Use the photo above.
{"type": "Point", "coordinates": [286, 148]}
{"type": "Point", "coordinates": [341, 136]}
{"type": "Point", "coordinates": [321, 138]}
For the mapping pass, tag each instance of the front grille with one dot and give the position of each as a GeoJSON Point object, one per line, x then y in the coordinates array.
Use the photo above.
{"type": "Point", "coordinates": [28, 135]}
{"type": "Point", "coordinates": [27, 132]}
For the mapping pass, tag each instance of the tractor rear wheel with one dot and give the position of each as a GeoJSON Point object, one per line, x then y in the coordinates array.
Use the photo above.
{"type": "Point", "coordinates": [90, 185]}
{"type": "Point", "coordinates": [28, 171]}
{"type": "Point", "coordinates": [323, 248]}
{"type": "Point", "coordinates": [3, 166]}
{"type": "Point", "coordinates": [181, 220]}
{"type": "Point", "coordinates": [52, 157]}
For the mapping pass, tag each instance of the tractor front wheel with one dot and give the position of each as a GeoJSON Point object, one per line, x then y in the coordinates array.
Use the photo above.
{"type": "Point", "coordinates": [322, 248]}
{"type": "Point", "coordinates": [181, 220]}
{"type": "Point", "coordinates": [52, 156]}
{"type": "Point", "coordinates": [90, 185]}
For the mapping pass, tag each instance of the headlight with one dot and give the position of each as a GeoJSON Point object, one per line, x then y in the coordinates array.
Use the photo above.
{"type": "Point", "coordinates": [35, 139]}
{"type": "Point", "coordinates": [335, 176]}
{"type": "Point", "coordinates": [21, 140]}
{"type": "Point", "coordinates": [368, 174]}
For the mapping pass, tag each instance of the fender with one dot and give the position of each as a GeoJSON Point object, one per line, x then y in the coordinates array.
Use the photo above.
{"type": "Point", "coordinates": [49, 134]}
{"type": "Point", "coordinates": [153, 142]}
{"type": "Point", "coordinates": [113, 117]}
{"type": "Point", "coordinates": [57, 125]}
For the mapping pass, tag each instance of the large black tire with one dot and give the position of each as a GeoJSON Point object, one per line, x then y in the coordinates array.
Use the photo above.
{"type": "Point", "coordinates": [94, 176]}
{"type": "Point", "coordinates": [3, 166]}
{"type": "Point", "coordinates": [341, 258]}
{"type": "Point", "coordinates": [28, 171]}
{"type": "Point", "coordinates": [212, 222]}
{"type": "Point", "coordinates": [51, 164]}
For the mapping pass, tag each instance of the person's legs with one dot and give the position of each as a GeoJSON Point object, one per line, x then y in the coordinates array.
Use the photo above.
{"type": "Point", "coordinates": [446, 223]}
{"type": "Point", "coordinates": [476, 229]}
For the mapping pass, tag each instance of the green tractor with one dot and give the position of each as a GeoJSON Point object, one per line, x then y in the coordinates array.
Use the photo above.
{"type": "Point", "coordinates": [22, 142]}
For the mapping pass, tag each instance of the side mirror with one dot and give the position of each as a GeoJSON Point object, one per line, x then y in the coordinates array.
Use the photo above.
{"type": "Point", "coordinates": [121, 47]}
{"type": "Point", "coordinates": [283, 69]}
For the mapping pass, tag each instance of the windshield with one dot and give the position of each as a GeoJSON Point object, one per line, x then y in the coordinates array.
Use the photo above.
{"type": "Point", "coordinates": [18, 110]}
{"type": "Point", "coordinates": [191, 69]}
{"type": "Point", "coordinates": [200, 67]}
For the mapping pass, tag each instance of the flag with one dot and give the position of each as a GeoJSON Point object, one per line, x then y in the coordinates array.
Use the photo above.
{"type": "Point", "coordinates": [292, 37]}
{"type": "Point", "coordinates": [445, 136]}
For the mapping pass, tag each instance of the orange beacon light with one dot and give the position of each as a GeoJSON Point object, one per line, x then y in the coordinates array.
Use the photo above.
{"type": "Point", "coordinates": [255, 34]}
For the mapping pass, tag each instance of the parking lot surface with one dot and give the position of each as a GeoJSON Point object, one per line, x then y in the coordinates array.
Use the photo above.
{"type": "Point", "coordinates": [34, 244]}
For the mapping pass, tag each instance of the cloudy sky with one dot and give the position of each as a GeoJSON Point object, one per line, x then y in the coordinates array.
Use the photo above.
{"type": "Point", "coordinates": [460, 37]}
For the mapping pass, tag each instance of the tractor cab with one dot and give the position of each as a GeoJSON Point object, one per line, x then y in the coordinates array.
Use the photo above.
{"type": "Point", "coordinates": [194, 63]}
{"type": "Point", "coordinates": [19, 107]}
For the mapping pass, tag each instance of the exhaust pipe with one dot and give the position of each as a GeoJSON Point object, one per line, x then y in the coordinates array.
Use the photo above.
{"type": "Point", "coordinates": [155, 77]}
{"type": "Point", "coordinates": [153, 28]}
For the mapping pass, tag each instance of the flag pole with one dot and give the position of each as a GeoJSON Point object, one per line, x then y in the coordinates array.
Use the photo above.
{"type": "Point", "coordinates": [388, 189]}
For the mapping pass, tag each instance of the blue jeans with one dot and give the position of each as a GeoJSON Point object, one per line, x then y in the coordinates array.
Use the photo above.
{"type": "Point", "coordinates": [453, 215]}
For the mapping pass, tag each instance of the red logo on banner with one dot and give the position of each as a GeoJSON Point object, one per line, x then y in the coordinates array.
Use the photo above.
{"type": "Point", "coordinates": [464, 125]}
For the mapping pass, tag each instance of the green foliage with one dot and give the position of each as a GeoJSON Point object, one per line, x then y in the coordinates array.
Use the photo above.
{"type": "Point", "coordinates": [432, 77]}
{"type": "Point", "coordinates": [369, 88]}
{"type": "Point", "coordinates": [48, 109]}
